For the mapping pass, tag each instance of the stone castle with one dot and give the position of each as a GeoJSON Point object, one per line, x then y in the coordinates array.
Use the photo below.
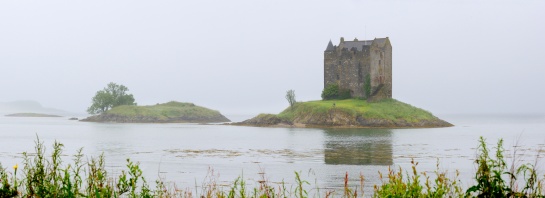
{"type": "Point", "coordinates": [363, 67]}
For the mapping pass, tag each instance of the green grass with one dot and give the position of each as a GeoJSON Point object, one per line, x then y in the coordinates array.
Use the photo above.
{"type": "Point", "coordinates": [388, 109]}
{"type": "Point", "coordinates": [165, 111]}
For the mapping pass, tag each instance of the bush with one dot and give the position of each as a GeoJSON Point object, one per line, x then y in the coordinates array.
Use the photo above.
{"type": "Point", "coordinates": [344, 94]}
{"type": "Point", "coordinates": [332, 91]}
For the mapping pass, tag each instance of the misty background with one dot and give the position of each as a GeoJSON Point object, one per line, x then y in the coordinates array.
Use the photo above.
{"type": "Point", "coordinates": [240, 57]}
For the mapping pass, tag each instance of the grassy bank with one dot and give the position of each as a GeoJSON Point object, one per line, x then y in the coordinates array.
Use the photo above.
{"type": "Point", "coordinates": [46, 175]}
{"type": "Point", "coordinates": [388, 113]}
{"type": "Point", "coordinates": [388, 109]}
{"type": "Point", "coordinates": [166, 112]}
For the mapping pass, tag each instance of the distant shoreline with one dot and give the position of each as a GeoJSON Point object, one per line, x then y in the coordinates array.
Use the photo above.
{"type": "Point", "coordinates": [31, 115]}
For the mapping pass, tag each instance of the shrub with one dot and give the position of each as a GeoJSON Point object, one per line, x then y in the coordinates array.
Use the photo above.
{"type": "Point", "coordinates": [332, 91]}
{"type": "Point", "coordinates": [344, 94]}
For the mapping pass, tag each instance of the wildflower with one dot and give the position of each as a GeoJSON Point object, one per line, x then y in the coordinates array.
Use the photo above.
{"type": "Point", "coordinates": [15, 167]}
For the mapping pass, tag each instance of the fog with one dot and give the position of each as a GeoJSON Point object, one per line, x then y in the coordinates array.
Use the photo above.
{"type": "Point", "coordinates": [240, 57]}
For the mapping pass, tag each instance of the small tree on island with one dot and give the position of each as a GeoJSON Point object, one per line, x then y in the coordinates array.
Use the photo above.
{"type": "Point", "coordinates": [290, 96]}
{"type": "Point", "coordinates": [111, 96]}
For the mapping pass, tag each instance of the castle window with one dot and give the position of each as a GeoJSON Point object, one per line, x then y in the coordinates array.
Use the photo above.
{"type": "Point", "coordinates": [379, 62]}
{"type": "Point", "coordinates": [338, 77]}
{"type": "Point", "coordinates": [360, 75]}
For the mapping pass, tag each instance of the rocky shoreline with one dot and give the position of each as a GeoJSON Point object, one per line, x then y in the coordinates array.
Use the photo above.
{"type": "Point", "coordinates": [271, 120]}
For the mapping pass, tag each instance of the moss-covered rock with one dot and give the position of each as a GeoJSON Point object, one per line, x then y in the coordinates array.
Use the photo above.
{"type": "Point", "coordinates": [265, 120]}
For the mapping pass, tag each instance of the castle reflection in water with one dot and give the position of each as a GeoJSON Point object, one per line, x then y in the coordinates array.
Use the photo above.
{"type": "Point", "coordinates": [358, 147]}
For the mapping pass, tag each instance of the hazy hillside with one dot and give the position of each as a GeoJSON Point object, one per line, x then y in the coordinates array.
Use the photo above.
{"type": "Point", "coordinates": [28, 106]}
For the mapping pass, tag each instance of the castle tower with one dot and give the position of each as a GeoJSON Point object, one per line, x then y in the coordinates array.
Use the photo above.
{"type": "Point", "coordinates": [363, 67]}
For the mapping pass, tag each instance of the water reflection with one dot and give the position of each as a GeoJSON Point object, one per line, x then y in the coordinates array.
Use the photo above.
{"type": "Point", "coordinates": [358, 146]}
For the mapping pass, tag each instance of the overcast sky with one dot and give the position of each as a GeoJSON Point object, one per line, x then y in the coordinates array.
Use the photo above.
{"type": "Point", "coordinates": [240, 57]}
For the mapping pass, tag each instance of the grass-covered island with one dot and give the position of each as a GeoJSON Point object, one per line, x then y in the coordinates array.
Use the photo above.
{"type": "Point", "coordinates": [31, 115]}
{"type": "Point", "coordinates": [170, 112]}
{"type": "Point", "coordinates": [388, 113]}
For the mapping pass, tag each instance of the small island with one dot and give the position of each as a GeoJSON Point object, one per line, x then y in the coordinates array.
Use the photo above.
{"type": "Point", "coordinates": [31, 115]}
{"type": "Point", "coordinates": [349, 113]}
{"type": "Point", "coordinates": [357, 93]}
{"type": "Point", "coordinates": [170, 112]}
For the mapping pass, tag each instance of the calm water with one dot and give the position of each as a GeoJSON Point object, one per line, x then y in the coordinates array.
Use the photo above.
{"type": "Point", "coordinates": [185, 153]}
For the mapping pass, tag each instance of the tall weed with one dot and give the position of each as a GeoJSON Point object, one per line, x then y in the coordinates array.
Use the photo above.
{"type": "Point", "coordinates": [46, 175]}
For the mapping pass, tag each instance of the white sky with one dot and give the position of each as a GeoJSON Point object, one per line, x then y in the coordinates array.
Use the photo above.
{"type": "Point", "coordinates": [240, 57]}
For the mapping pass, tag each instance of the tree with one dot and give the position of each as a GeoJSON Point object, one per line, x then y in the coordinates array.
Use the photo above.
{"type": "Point", "coordinates": [290, 96]}
{"type": "Point", "coordinates": [111, 96]}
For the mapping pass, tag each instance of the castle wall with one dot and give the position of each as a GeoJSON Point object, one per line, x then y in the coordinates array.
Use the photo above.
{"type": "Point", "coordinates": [330, 68]}
{"type": "Point", "coordinates": [388, 61]}
{"type": "Point", "coordinates": [349, 67]}
{"type": "Point", "coordinates": [381, 72]}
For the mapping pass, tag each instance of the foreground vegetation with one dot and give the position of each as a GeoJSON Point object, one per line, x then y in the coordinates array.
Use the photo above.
{"type": "Point", "coordinates": [47, 176]}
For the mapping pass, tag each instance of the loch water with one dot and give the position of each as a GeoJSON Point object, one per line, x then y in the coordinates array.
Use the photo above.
{"type": "Point", "coordinates": [190, 154]}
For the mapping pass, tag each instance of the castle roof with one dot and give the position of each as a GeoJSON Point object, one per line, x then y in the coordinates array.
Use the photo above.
{"type": "Point", "coordinates": [356, 44]}
{"type": "Point", "coordinates": [380, 41]}
{"type": "Point", "coordinates": [329, 46]}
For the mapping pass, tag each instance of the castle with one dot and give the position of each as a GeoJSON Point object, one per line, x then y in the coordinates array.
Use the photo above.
{"type": "Point", "coordinates": [363, 67]}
